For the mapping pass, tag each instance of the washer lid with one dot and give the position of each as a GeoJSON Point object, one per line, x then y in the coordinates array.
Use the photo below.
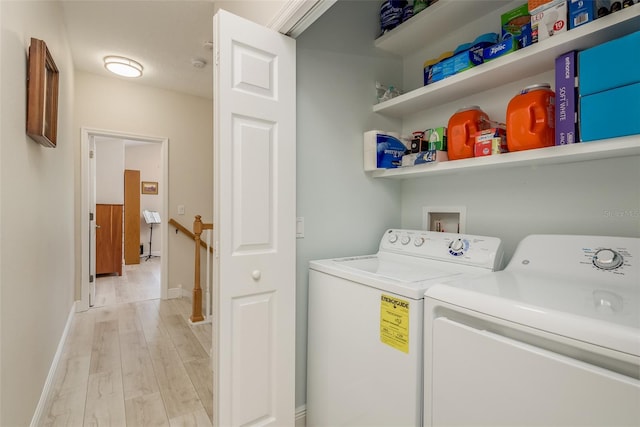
{"type": "Point", "coordinates": [403, 275]}
{"type": "Point", "coordinates": [396, 271]}
{"type": "Point", "coordinates": [594, 311]}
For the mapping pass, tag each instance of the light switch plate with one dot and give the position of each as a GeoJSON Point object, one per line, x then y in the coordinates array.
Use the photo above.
{"type": "Point", "coordinates": [300, 227]}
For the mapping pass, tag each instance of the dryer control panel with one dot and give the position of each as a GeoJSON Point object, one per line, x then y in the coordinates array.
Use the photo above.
{"type": "Point", "coordinates": [460, 248]}
{"type": "Point", "coordinates": [586, 257]}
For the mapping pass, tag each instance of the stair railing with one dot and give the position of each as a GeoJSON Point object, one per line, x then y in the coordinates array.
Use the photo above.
{"type": "Point", "coordinates": [198, 228]}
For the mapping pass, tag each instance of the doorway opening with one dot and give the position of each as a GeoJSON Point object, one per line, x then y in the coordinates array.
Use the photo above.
{"type": "Point", "coordinates": [151, 155]}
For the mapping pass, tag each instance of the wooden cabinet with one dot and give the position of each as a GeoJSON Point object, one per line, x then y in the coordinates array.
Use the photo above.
{"type": "Point", "coordinates": [109, 239]}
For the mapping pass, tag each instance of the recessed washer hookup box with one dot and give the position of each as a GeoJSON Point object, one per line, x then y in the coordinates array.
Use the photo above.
{"type": "Point", "coordinates": [567, 98]}
{"type": "Point", "coordinates": [611, 113]}
{"type": "Point", "coordinates": [610, 65]}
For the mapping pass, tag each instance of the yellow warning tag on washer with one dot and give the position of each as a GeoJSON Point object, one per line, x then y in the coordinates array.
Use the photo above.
{"type": "Point", "coordinates": [394, 322]}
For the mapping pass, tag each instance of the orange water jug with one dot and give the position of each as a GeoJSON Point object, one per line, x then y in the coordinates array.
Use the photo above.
{"type": "Point", "coordinates": [461, 131]}
{"type": "Point", "coordinates": [531, 118]}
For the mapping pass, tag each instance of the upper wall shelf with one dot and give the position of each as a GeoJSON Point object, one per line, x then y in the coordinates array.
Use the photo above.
{"type": "Point", "coordinates": [432, 22]}
{"type": "Point", "coordinates": [607, 148]}
{"type": "Point", "coordinates": [515, 66]}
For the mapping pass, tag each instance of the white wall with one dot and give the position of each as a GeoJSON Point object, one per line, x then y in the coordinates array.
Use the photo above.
{"type": "Point", "coordinates": [37, 214]}
{"type": "Point", "coordinates": [345, 211]}
{"type": "Point", "coordinates": [600, 197]}
{"type": "Point", "coordinates": [147, 159]}
{"type": "Point", "coordinates": [113, 104]}
{"type": "Point", "coordinates": [109, 171]}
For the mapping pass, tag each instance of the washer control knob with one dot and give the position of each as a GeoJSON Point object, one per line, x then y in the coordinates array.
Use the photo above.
{"type": "Point", "coordinates": [405, 240]}
{"type": "Point", "coordinates": [419, 241]}
{"type": "Point", "coordinates": [456, 245]}
{"type": "Point", "coordinates": [607, 259]}
{"type": "Point", "coordinates": [393, 238]}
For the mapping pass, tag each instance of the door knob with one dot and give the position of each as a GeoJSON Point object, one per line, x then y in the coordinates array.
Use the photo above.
{"type": "Point", "coordinates": [97, 226]}
{"type": "Point", "coordinates": [256, 275]}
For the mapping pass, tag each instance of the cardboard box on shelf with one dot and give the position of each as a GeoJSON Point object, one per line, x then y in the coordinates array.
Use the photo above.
{"type": "Point", "coordinates": [430, 156]}
{"type": "Point", "coordinates": [610, 114]}
{"type": "Point", "coordinates": [566, 80]}
{"type": "Point", "coordinates": [490, 141]}
{"type": "Point", "coordinates": [581, 12]}
{"type": "Point", "coordinates": [609, 65]}
{"type": "Point", "coordinates": [437, 138]}
{"type": "Point", "coordinates": [517, 23]}
{"type": "Point", "coordinates": [534, 4]}
{"type": "Point", "coordinates": [548, 20]}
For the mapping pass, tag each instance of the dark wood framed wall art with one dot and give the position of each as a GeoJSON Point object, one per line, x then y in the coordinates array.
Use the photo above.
{"type": "Point", "coordinates": [42, 95]}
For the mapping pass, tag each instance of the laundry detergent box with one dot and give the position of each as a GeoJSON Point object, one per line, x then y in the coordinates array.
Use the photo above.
{"type": "Point", "coordinates": [490, 141]}
{"type": "Point", "coordinates": [382, 151]}
{"type": "Point", "coordinates": [610, 114]}
{"type": "Point", "coordinates": [517, 23]}
{"type": "Point", "coordinates": [610, 65]}
{"type": "Point", "coordinates": [548, 20]}
{"type": "Point", "coordinates": [566, 69]}
{"type": "Point", "coordinates": [581, 12]}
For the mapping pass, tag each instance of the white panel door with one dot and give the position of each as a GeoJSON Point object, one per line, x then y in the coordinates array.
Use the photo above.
{"type": "Point", "coordinates": [254, 222]}
{"type": "Point", "coordinates": [92, 221]}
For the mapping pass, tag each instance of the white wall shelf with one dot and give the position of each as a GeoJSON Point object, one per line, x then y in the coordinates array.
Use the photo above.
{"type": "Point", "coordinates": [431, 23]}
{"type": "Point", "coordinates": [515, 66]}
{"type": "Point", "coordinates": [608, 148]}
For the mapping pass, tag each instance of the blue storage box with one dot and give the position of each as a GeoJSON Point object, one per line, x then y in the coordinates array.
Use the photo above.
{"type": "Point", "coordinates": [609, 65]}
{"type": "Point", "coordinates": [610, 114]}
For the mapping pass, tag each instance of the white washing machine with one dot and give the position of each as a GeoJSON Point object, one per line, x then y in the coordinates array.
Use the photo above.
{"type": "Point", "coordinates": [552, 340]}
{"type": "Point", "coordinates": [364, 354]}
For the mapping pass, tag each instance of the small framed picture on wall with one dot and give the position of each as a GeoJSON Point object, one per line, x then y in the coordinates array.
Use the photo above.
{"type": "Point", "coordinates": [42, 95]}
{"type": "Point", "coordinates": [149, 187]}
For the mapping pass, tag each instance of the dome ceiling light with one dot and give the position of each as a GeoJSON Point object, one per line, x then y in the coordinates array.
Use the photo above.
{"type": "Point", "coordinates": [122, 66]}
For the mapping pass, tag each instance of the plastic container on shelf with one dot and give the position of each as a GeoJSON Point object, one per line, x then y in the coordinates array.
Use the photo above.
{"type": "Point", "coordinates": [531, 118]}
{"type": "Point", "coordinates": [461, 130]}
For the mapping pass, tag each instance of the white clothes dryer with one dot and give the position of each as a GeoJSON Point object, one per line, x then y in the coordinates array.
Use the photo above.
{"type": "Point", "coordinates": [365, 321]}
{"type": "Point", "coordinates": [552, 340]}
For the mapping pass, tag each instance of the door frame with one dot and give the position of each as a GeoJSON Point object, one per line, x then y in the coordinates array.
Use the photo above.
{"type": "Point", "coordinates": [87, 134]}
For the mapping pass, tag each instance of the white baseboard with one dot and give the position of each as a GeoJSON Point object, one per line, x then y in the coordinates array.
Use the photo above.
{"type": "Point", "coordinates": [47, 388]}
{"type": "Point", "coordinates": [174, 293]}
{"type": "Point", "coordinates": [301, 416]}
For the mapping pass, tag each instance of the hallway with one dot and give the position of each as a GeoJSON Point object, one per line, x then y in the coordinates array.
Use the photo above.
{"type": "Point", "coordinates": [133, 359]}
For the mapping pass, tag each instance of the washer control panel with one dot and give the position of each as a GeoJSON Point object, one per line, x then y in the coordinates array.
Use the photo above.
{"type": "Point", "coordinates": [464, 249]}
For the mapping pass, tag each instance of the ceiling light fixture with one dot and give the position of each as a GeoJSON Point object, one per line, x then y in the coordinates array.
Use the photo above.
{"type": "Point", "coordinates": [122, 66]}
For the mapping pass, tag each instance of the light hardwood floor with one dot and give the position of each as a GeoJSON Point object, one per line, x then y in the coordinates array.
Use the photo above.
{"type": "Point", "coordinates": [133, 359]}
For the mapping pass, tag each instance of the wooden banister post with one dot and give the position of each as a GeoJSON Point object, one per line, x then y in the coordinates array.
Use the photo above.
{"type": "Point", "coordinates": [196, 310]}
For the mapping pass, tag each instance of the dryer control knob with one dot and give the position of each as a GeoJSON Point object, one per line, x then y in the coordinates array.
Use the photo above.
{"type": "Point", "coordinates": [393, 238]}
{"type": "Point", "coordinates": [456, 245]}
{"type": "Point", "coordinates": [418, 242]}
{"type": "Point", "coordinates": [607, 259]}
{"type": "Point", "coordinates": [405, 240]}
